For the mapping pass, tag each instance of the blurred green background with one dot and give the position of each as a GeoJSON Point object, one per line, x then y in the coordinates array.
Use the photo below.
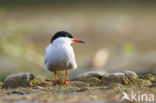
{"type": "Point", "coordinates": [120, 34]}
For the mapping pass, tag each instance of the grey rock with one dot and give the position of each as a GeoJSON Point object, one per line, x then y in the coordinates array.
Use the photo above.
{"type": "Point", "coordinates": [131, 74]}
{"type": "Point", "coordinates": [92, 76]}
{"type": "Point", "coordinates": [153, 85]}
{"type": "Point", "coordinates": [37, 87]}
{"type": "Point", "coordinates": [113, 78]}
{"type": "Point", "coordinates": [18, 92]}
{"type": "Point", "coordinates": [18, 80]}
{"type": "Point", "coordinates": [125, 78]}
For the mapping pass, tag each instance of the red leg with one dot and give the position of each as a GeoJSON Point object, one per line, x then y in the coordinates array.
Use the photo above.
{"type": "Point", "coordinates": [66, 81]}
{"type": "Point", "coordinates": [56, 79]}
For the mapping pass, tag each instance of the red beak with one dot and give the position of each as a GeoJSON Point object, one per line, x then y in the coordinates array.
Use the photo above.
{"type": "Point", "coordinates": [78, 41]}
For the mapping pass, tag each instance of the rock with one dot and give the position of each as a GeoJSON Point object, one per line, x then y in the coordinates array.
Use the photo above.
{"type": "Point", "coordinates": [37, 87]}
{"type": "Point", "coordinates": [96, 74]}
{"type": "Point", "coordinates": [130, 78]}
{"type": "Point", "coordinates": [153, 85]}
{"type": "Point", "coordinates": [18, 80]}
{"type": "Point", "coordinates": [147, 77]}
{"type": "Point", "coordinates": [126, 78]}
{"type": "Point", "coordinates": [91, 77]}
{"type": "Point", "coordinates": [113, 78]}
{"type": "Point", "coordinates": [38, 81]}
{"type": "Point", "coordinates": [18, 92]}
{"type": "Point", "coordinates": [131, 74]}
{"type": "Point", "coordinates": [40, 78]}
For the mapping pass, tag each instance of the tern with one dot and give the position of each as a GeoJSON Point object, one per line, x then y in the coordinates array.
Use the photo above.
{"type": "Point", "coordinates": [59, 54]}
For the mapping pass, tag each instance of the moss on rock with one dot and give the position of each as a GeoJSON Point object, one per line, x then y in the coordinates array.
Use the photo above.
{"type": "Point", "coordinates": [127, 78]}
{"type": "Point", "coordinates": [147, 77]}
{"type": "Point", "coordinates": [39, 80]}
{"type": "Point", "coordinates": [89, 79]}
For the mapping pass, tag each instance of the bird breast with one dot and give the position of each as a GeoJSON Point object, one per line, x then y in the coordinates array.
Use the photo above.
{"type": "Point", "coordinates": [60, 58]}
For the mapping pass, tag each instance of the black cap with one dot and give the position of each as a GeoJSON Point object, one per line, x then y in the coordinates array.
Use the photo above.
{"type": "Point", "coordinates": [61, 34]}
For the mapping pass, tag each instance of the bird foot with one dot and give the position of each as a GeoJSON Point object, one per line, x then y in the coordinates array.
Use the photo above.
{"type": "Point", "coordinates": [65, 81]}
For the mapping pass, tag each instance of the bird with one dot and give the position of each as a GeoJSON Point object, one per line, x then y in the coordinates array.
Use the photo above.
{"type": "Point", "coordinates": [59, 54]}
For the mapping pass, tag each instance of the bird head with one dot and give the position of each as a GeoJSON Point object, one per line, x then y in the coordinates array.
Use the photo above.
{"type": "Point", "coordinates": [63, 37]}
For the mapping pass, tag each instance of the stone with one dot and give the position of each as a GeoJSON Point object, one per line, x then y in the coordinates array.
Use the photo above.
{"type": "Point", "coordinates": [91, 77]}
{"type": "Point", "coordinates": [37, 87]}
{"type": "Point", "coordinates": [126, 78]}
{"type": "Point", "coordinates": [113, 78]}
{"type": "Point", "coordinates": [153, 85]}
{"type": "Point", "coordinates": [18, 92]}
{"type": "Point", "coordinates": [96, 74]}
{"type": "Point", "coordinates": [147, 77]}
{"type": "Point", "coordinates": [131, 74]}
{"type": "Point", "coordinates": [18, 80]}
{"type": "Point", "coordinates": [38, 81]}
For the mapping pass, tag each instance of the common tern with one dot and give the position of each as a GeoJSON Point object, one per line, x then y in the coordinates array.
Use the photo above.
{"type": "Point", "coordinates": [59, 54]}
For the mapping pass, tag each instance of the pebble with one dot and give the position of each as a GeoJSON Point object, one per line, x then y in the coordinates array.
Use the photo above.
{"type": "Point", "coordinates": [17, 92]}
{"type": "Point", "coordinates": [37, 87]}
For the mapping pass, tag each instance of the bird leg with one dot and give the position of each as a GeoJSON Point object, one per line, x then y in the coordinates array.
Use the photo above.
{"type": "Point", "coordinates": [56, 79]}
{"type": "Point", "coordinates": [65, 80]}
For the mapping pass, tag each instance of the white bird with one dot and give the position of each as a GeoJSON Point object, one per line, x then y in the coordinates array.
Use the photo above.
{"type": "Point", "coordinates": [59, 54]}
